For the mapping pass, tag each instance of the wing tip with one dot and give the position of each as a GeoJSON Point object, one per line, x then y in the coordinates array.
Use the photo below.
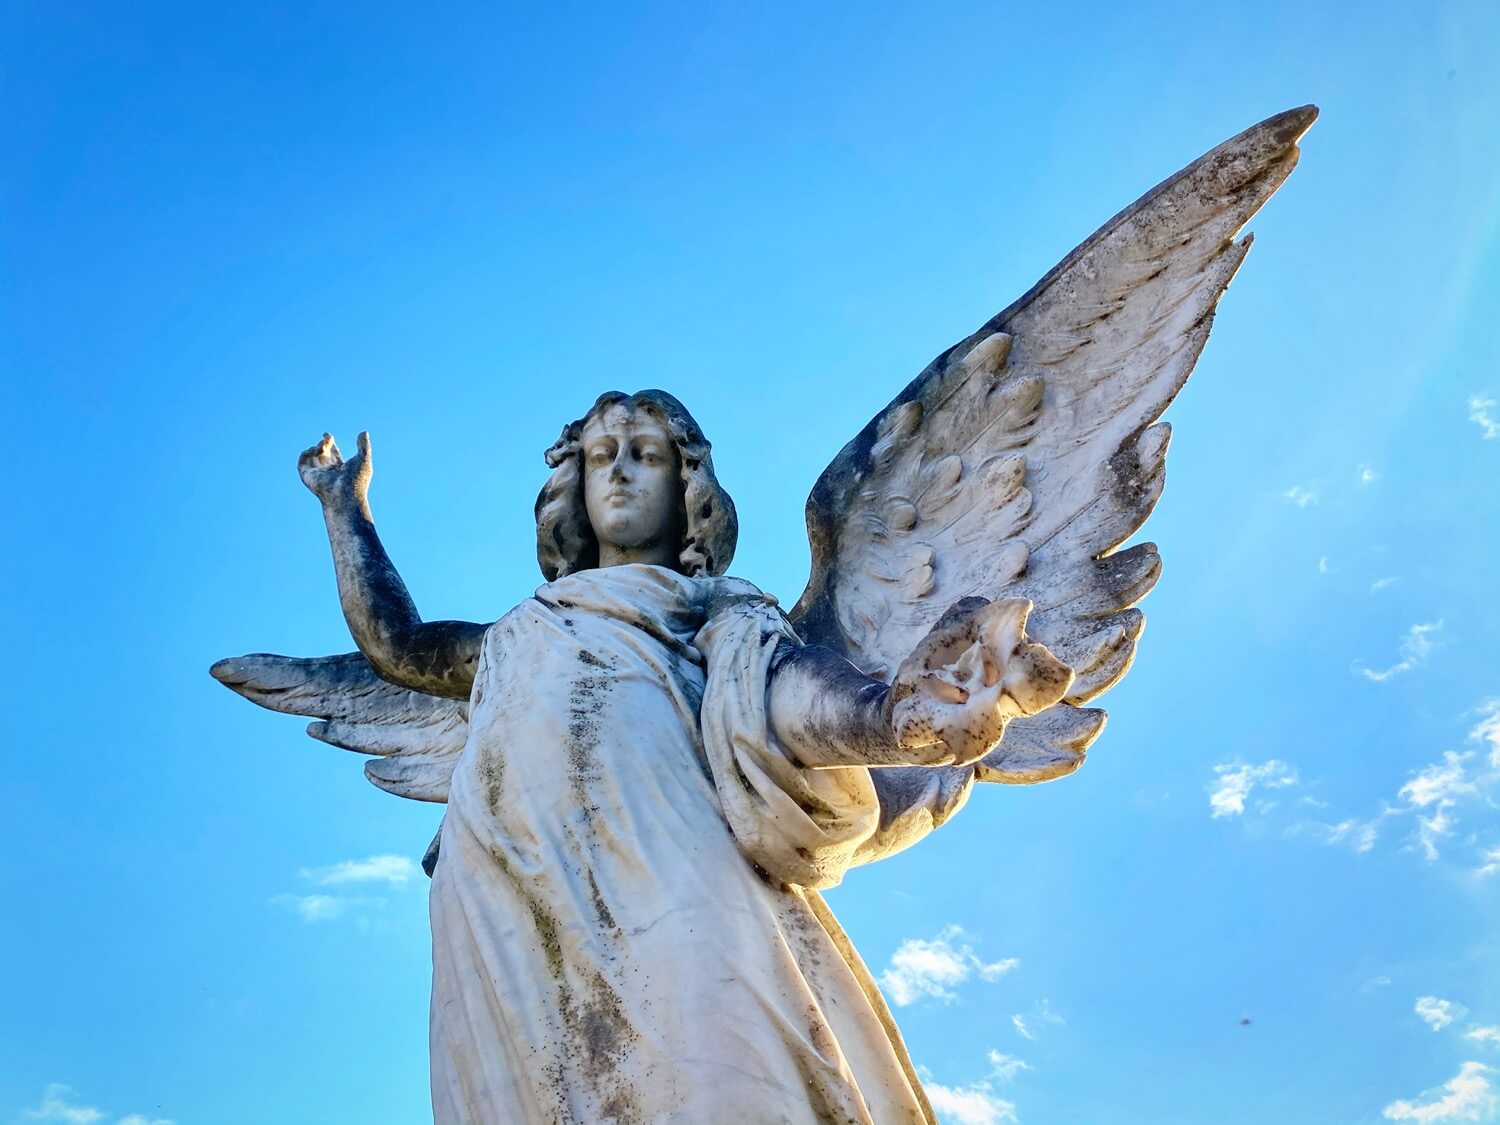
{"type": "Point", "coordinates": [226, 671]}
{"type": "Point", "coordinates": [1289, 125]}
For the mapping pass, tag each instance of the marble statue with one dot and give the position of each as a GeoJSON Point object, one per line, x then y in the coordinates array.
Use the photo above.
{"type": "Point", "coordinates": [651, 771]}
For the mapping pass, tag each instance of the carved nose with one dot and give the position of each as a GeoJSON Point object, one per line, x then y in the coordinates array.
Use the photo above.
{"type": "Point", "coordinates": [617, 471]}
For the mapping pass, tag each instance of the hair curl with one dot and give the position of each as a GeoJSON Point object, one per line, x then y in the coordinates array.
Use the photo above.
{"type": "Point", "coordinates": [565, 541]}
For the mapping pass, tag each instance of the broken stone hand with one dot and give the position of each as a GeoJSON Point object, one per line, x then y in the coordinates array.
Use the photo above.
{"type": "Point", "coordinates": [974, 672]}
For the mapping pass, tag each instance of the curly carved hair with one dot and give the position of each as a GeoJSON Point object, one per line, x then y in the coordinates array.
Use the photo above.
{"type": "Point", "coordinates": [565, 541]}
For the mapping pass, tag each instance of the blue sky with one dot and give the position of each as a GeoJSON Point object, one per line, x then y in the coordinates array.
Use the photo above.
{"type": "Point", "coordinates": [227, 228]}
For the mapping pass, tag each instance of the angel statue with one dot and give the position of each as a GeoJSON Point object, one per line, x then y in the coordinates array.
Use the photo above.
{"type": "Point", "coordinates": [651, 771]}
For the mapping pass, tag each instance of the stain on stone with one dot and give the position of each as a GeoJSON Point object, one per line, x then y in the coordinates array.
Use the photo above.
{"type": "Point", "coordinates": [601, 908]}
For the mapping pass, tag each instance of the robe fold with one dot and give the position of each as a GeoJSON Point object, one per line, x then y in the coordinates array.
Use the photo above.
{"type": "Point", "coordinates": [625, 919]}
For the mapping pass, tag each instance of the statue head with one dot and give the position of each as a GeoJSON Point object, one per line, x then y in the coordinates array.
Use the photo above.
{"type": "Point", "coordinates": [633, 475]}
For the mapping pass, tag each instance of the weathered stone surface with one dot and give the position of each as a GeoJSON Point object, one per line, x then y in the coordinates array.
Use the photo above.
{"type": "Point", "coordinates": [650, 771]}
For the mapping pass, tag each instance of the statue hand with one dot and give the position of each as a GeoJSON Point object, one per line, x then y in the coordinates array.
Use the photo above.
{"type": "Point", "coordinates": [332, 479]}
{"type": "Point", "coordinates": [972, 674]}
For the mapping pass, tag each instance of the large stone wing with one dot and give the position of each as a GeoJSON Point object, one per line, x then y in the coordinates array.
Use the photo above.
{"type": "Point", "coordinates": [1023, 456]}
{"type": "Point", "coordinates": [415, 738]}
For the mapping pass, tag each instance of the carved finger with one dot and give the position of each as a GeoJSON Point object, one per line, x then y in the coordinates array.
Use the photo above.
{"type": "Point", "coordinates": [942, 687]}
{"type": "Point", "coordinates": [1036, 679]}
{"type": "Point", "coordinates": [951, 634]}
{"type": "Point", "coordinates": [1003, 625]}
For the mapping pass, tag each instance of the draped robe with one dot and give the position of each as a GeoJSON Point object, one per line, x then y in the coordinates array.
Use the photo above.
{"type": "Point", "coordinates": [625, 919]}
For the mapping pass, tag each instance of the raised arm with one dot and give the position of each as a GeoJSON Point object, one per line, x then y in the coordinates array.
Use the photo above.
{"type": "Point", "coordinates": [436, 657]}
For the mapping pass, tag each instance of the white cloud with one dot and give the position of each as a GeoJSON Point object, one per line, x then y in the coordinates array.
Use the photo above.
{"type": "Point", "coordinates": [969, 1105]}
{"type": "Point", "coordinates": [1367, 475]}
{"type": "Point", "coordinates": [393, 870]}
{"type": "Point", "coordinates": [1383, 583]}
{"type": "Point", "coordinates": [1323, 567]}
{"type": "Point", "coordinates": [1479, 413]}
{"type": "Point", "coordinates": [1489, 1034]}
{"type": "Point", "coordinates": [1040, 1014]}
{"type": "Point", "coordinates": [932, 969]}
{"type": "Point", "coordinates": [1440, 783]}
{"type": "Point", "coordinates": [976, 1103]}
{"type": "Point", "coordinates": [396, 870]}
{"type": "Point", "coordinates": [323, 908]}
{"type": "Point", "coordinates": [1438, 1014]}
{"type": "Point", "coordinates": [1491, 864]}
{"type": "Point", "coordinates": [1302, 496]}
{"type": "Point", "coordinates": [59, 1104]}
{"type": "Point", "coordinates": [1487, 730]}
{"type": "Point", "coordinates": [1005, 1067]}
{"type": "Point", "coordinates": [1431, 829]}
{"type": "Point", "coordinates": [1357, 834]}
{"type": "Point", "coordinates": [1235, 783]}
{"type": "Point", "coordinates": [1416, 647]}
{"type": "Point", "coordinates": [1467, 1096]}
{"type": "Point", "coordinates": [1436, 790]}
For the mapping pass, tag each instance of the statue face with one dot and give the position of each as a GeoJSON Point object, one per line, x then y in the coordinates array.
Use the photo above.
{"type": "Point", "coordinates": [632, 485]}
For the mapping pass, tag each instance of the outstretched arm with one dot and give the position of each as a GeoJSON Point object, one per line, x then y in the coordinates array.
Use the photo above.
{"type": "Point", "coordinates": [436, 657]}
{"type": "Point", "coordinates": [949, 705]}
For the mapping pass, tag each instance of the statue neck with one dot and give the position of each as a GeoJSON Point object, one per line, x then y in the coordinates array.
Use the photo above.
{"type": "Point", "coordinates": [655, 554]}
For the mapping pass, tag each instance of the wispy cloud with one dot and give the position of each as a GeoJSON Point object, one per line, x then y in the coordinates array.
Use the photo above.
{"type": "Point", "coordinates": [1489, 1034]}
{"type": "Point", "coordinates": [1416, 647]}
{"type": "Point", "coordinates": [1479, 413]}
{"type": "Point", "coordinates": [323, 908]}
{"type": "Point", "coordinates": [1431, 829]}
{"type": "Point", "coordinates": [396, 870]}
{"type": "Point", "coordinates": [922, 969]}
{"type": "Point", "coordinates": [1323, 566]}
{"type": "Point", "coordinates": [1430, 801]}
{"type": "Point", "coordinates": [1438, 1014]}
{"type": "Point", "coordinates": [393, 871]}
{"type": "Point", "coordinates": [1383, 584]}
{"type": "Point", "coordinates": [1358, 835]}
{"type": "Point", "coordinates": [1234, 783]}
{"type": "Point", "coordinates": [59, 1103]}
{"type": "Point", "coordinates": [976, 1103]}
{"type": "Point", "coordinates": [969, 1105]}
{"type": "Point", "coordinates": [1437, 787]}
{"type": "Point", "coordinates": [1304, 496]}
{"type": "Point", "coordinates": [1489, 862]}
{"type": "Point", "coordinates": [1487, 730]}
{"type": "Point", "coordinates": [1439, 783]}
{"type": "Point", "coordinates": [1367, 476]}
{"type": "Point", "coordinates": [1467, 1096]}
{"type": "Point", "coordinates": [1434, 791]}
{"type": "Point", "coordinates": [1041, 1014]}
{"type": "Point", "coordinates": [1006, 1067]}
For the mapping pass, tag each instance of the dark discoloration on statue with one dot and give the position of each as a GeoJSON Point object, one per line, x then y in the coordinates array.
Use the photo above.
{"type": "Point", "coordinates": [650, 770]}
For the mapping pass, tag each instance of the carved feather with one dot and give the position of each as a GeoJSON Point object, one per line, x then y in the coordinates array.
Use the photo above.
{"type": "Point", "coordinates": [417, 738]}
{"type": "Point", "coordinates": [1019, 460]}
